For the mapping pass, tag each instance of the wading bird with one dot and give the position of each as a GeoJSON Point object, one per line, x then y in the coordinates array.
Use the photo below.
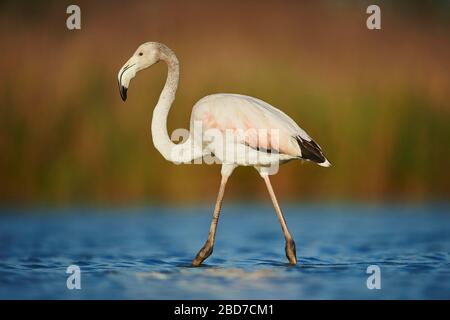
{"type": "Point", "coordinates": [218, 114]}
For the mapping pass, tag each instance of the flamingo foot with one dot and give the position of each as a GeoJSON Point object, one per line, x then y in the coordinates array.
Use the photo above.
{"type": "Point", "coordinates": [203, 254]}
{"type": "Point", "coordinates": [291, 252]}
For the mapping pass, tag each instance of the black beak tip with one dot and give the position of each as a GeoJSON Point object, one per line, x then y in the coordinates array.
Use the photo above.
{"type": "Point", "coordinates": [123, 92]}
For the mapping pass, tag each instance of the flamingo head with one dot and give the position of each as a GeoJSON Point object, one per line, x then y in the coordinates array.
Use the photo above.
{"type": "Point", "coordinates": [146, 55]}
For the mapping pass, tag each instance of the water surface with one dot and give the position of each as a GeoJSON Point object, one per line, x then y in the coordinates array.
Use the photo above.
{"type": "Point", "coordinates": [146, 253]}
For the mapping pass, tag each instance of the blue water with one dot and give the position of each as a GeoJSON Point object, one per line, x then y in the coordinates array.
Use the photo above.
{"type": "Point", "coordinates": [146, 253]}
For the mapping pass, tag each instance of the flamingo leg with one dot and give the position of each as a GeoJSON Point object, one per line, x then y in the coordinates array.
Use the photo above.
{"type": "Point", "coordinates": [290, 244]}
{"type": "Point", "coordinates": [207, 249]}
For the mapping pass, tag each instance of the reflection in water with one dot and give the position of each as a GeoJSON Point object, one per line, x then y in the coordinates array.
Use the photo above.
{"type": "Point", "coordinates": [148, 255]}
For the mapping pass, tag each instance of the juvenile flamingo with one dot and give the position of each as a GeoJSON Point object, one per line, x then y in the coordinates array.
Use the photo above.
{"type": "Point", "coordinates": [238, 130]}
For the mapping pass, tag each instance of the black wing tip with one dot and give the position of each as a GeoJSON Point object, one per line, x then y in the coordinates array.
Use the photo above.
{"type": "Point", "coordinates": [311, 151]}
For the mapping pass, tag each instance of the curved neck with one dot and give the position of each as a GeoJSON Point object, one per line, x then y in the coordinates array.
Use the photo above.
{"type": "Point", "coordinates": [181, 152]}
{"type": "Point", "coordinates": [160, 137]}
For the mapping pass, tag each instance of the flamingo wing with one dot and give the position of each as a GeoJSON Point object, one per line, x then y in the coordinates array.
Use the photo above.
{"type": "Point", "coordinates": [233, 113]}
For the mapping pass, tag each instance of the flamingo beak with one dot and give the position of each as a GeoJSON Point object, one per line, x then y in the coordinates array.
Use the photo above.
{"type": "Point", "coordinates": [126, 73]}
{"type": "Point", "coordinates": [123, 92]}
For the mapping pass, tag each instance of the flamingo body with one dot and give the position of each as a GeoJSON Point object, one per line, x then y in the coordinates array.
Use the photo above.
{"type": "Point", "coordinates": [250, 122]}
{"type": "Point", "coordinates": [238, 130]}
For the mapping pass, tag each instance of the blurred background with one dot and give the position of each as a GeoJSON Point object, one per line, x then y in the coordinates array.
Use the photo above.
{"type": "Point", "coordinates": [378, 102]}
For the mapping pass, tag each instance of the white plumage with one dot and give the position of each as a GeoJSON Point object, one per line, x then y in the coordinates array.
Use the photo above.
{"type": "Point", "coordinates": [234, 112]}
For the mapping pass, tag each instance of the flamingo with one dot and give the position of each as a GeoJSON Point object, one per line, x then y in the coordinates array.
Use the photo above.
{"type": "Point", "coordinates": [216, 115]}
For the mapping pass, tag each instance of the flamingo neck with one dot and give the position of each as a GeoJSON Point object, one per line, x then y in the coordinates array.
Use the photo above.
{"type": "Point", "coordinates": [178, 153]}
{"type": "Point", "coordinates": [160, 135]}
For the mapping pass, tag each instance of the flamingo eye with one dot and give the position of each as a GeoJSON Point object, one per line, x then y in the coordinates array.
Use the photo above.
{"type": "Point", "coordinates": [141, 54]}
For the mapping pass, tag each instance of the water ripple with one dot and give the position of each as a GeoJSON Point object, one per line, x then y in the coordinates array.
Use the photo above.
{"type": "Point", "coordinates": [149, 256]}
